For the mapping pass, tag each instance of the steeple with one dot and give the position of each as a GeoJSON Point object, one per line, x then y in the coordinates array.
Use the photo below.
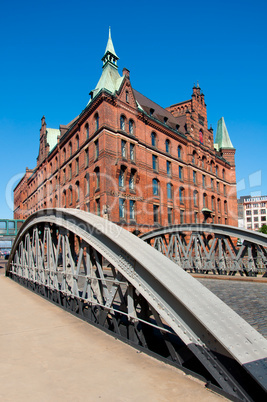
{"type": "Point", "coordinates": [110, 54]}
{"type": "Point", "coordinates": [222, 139]}
{"type": "Point", "coordinates": [110, 78]}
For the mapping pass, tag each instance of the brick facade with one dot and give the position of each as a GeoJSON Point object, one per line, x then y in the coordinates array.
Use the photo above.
{"type": "Point", "coordinates": [135, 163]}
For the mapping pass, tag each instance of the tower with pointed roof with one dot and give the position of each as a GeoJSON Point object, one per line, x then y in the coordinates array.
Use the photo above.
{"type": "Point", "coordinates": [223, 143]}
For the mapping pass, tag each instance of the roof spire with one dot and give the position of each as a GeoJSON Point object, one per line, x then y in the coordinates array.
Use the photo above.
{"type": "Point", "coordinates": [110, 54]}
{"type": "Point", "coordinates": [222, 137]}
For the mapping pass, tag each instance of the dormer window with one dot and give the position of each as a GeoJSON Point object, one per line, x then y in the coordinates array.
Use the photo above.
{"type": "Point", "coordinates": [151, 111]}
{"type": "Point", "coordinates": [165, 120]}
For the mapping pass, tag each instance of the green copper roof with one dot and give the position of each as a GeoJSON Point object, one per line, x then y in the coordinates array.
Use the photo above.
{"type": "Point", "coordinates": [222, 139]}
{"type": "Point", "coordinates": [51, 137]}
{"type": "Point", "coordinates": [110, 47]}
{"type": "Point", "coordinates": [110, 78]}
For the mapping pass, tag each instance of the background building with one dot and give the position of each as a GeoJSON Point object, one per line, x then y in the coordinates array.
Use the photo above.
{"type": "Point", "coordinates": [130, 160]}
{"type": "Point", "coordinates": [252, 212]}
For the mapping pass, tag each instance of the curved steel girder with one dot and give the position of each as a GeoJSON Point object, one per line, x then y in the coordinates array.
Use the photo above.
{"type": "Point", "coordinates": [223, 230]}
{"type": "Point", "coordinates": [201, 320]}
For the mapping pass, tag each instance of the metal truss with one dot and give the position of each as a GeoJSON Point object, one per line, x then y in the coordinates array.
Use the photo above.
{"type": "Point", "coordinates": [114, 280]}
{"type": "Point", "coordinates": [217, 249]}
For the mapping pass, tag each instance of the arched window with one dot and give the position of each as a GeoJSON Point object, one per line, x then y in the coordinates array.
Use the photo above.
{"type": "Point", "coordinates": [169, 191]}
{"type": "Point", "coordinates": [201, 136]}
{"type": "Point", "coordinates": [153, 139]}
{"type": "Point", "coordinates": [181, 195]}
{"type": "Point", "coordinates": [122, 176]}
{"type": "Point", "coordinates": [70, 196]}
{"type": "Point", "coordinates": [123, 148]}
{"type": "Point", "coordinates": [194, 157]}
{"type": "Point", "coordinates": [96, 121]}
{"type": "Point", "coordinates": [64, 154]}
{"type": "Point", "coordinates": [223, 174]}
{"type": "Point", "coordinates": [167, 146]}
{"type": "Point", "coordinates": [216, 170]}
{"type": "Point", "coordinates": [225, 207]}
{"type": "Point", "coordinates": [155, 187]}
{"type": "Point", "coordinates": [131, 126]}
{"type": "Point", "coordinates": [77, 142]}
{"type": "Point", "coordinates": [179, 151]}
{"type": "Point", "coordinates": [122, 122]}
{"type": "Point", "coordinates": [132, 180]}
{"type": "Point", "coordinates": [70, 148]}
{"type": "Point", "coordinates": [77, 191]}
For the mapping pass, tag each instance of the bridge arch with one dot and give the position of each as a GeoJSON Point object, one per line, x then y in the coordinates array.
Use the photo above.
{"type": "Point", "coordinates": [115, 280]}
{"type": "Point", "coordinates": [210, 248]}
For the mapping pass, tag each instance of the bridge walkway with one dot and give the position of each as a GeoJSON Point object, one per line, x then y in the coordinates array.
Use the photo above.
{"type": "Point", "coordinates": [48, 354]}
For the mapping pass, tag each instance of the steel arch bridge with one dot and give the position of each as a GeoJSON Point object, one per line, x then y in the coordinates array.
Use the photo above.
{"type": "Point", "coordinates": [113, 279]}
{"type": "Point", "coordinates": [209, 248]}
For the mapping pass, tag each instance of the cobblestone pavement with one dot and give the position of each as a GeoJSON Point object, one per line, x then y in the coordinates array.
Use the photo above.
{"type": "Point", "coordinates": [247, 299]}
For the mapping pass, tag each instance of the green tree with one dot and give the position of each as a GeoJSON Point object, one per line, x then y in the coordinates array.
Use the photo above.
{"type": "Point", "coordinates": [263, 229]}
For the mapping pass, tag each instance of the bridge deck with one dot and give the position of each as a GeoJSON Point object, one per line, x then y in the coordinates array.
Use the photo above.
{"type": "Point", "coordinates": [48, 354]}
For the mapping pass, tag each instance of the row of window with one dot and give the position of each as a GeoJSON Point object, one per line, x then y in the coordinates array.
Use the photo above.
{"type": "Point", "coordinates": [256, 219]}
{"type": "Point", "coordinates": [256, 212]}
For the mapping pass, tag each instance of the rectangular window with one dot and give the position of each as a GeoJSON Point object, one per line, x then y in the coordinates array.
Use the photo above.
{"type": "Point", "coordinates": [155, 162]}
{"type": "Point", "coordinates": [88, 207]}
{"type": "Point", "coordinates": [263, 218]}
{"type": "Point", "coordinates": [195, 217]}
{"type": "Point", "coordinates": [256, 219]}
{"type": "Point", "coordinates": [218, 187]}
{"type": "Point", "coordinates": [70, 172]}
{"type": "Point", "coordinates": [64, 176]}
{"type": "Point", "coordinates": [181, 216]}
{"type": "Point", "coordinates": [212, 184]}
{"type": "Point", "coordinates": [98, 206]}
{"type": "Point", "coordinates": [203, 180]}
{"type": "Point", "coordinates": [132, 152]}
{"type": "Point", "coordinates": [255, 212]}
{"type": "Point", "coordinates": [263, 211]}
{"type": "Point", "coordinates": [248, 212]}
{"type": "Point", "coordinates": [96, 149]}
{"type": "Point", "coordinates": [132, 210]}
{"type": "Point", "coordinates": [224, 190]}
{"type": "Point", "coordinates": [168, 167]}
{"type": "Point", "coordinates": [248, 219]}
{"type": "Point", "coordinates": [77, 166]}
{"type": "Point", "coordinates": [169, 216]}
{"type": "Point", "coordinates": [86, 158]}
{"type": "Point", "coordinates": [123, 148]}
{"type": "Point", "coordinates": [180, 173]}
{"type": "Point", "coordinates": [194, 177]}
{"type": "Point", "coordinates": [156, 213]}
{"type": "Point", "coordinates": [122, 208]}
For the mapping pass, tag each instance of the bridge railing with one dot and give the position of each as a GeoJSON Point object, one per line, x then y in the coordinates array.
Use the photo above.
{"type": "Point", "coordinates": [216, 249]}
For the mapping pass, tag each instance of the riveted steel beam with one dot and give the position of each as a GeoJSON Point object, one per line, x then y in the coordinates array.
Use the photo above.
{"type": "Point", "coordinates": [113, 279]}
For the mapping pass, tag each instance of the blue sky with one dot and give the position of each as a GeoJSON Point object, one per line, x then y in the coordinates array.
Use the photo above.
{"type": "Point", "coordinates": [51, 59]}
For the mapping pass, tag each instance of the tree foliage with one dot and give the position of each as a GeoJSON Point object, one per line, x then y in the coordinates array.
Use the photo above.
{"type": "Point", "coordinates": [263, 229]}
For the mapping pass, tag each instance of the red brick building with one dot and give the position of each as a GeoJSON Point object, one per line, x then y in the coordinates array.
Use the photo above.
{"type": "Point", "coordinates": [131, 161]}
